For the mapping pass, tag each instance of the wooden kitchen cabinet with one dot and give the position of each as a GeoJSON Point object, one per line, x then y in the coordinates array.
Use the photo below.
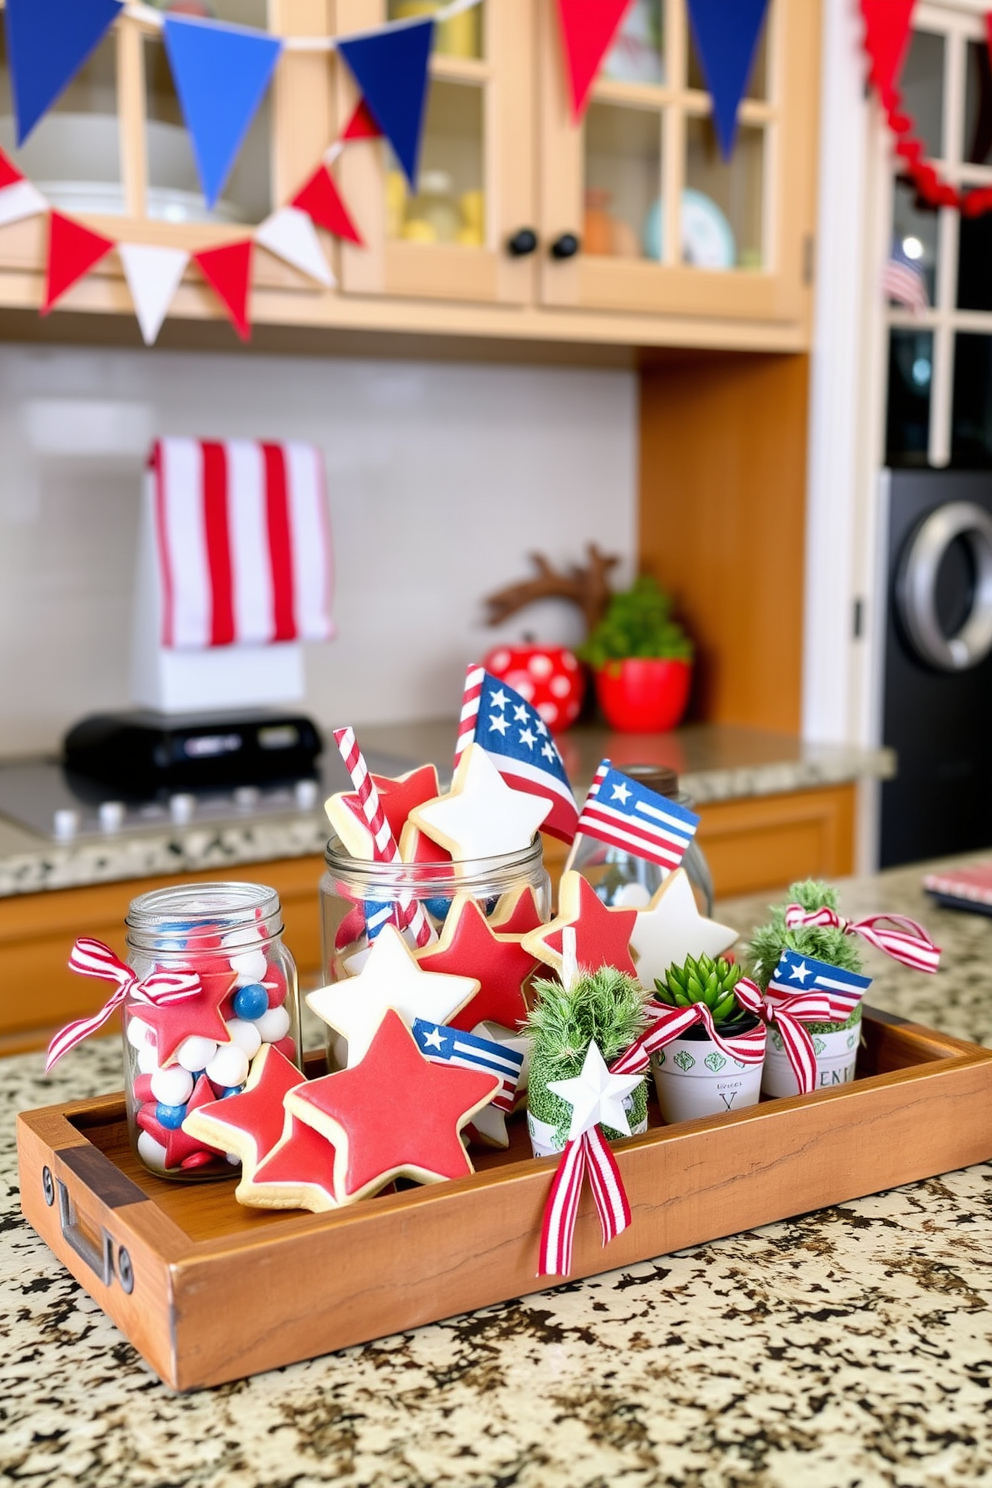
{"type": "Point", "coordinates": [499, 132]}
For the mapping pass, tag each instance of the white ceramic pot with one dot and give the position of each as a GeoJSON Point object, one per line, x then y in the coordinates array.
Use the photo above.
{"type": "Point", "coordinates": [695, 1078]}
{"type": "Point", "coordinates": [544, 1138]}
{"type": "Point", "coordinates": [836, 1058]}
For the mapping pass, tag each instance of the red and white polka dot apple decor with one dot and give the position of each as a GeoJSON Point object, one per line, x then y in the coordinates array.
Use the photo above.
{"type": "Point", "coordinates": [549, 677]}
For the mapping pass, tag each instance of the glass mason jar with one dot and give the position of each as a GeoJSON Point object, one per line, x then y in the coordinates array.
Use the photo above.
{"type": "Point", "coordinates": [356, 893]}
{"type": "Point", "coordinates": [182, 1054]}
{"type": "Point", "coordinates": [620, 876]}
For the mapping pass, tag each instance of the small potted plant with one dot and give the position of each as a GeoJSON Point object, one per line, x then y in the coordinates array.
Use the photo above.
{"type": "Point", "coordinates": [605, 1007]}
{"type": "Point", "coordinates": [641, 660]}
{"type": "Point", "coordinates": [835, 1044]}
{"type": "Point", "coordinates": [693, 1075]}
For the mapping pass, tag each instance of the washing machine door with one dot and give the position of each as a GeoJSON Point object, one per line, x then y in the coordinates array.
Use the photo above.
{"type": "Point", "coordinates": [916, 587]}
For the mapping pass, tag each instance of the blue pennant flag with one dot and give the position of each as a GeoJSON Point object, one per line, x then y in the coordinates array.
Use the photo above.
{"type": "Point", "coordinates": [726, 36]}
{"type": "Point", "coordinates": [47, 43]}
{"type": "Point", "coordinates": [390, 67]}
{"type": "Point", "coordinates": [221, 73]}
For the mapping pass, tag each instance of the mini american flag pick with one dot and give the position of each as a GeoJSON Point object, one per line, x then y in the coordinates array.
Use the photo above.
{"type": "Point", "coordinates": [796, 973]}
{"type": "Point", "coordinates": [903, 281]}
{"type": "Point", "coordinates": [516, 739]}
{"type": "Point", "coordinates": [444, 1045]}
{"type": "Point", "coordinates": [625, 814]}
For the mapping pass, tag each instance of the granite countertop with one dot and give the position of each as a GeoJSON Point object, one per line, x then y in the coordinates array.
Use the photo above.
{"type": "Point", "coordinates": [715, 762]}
{"type": "Point", "coordinates": [847, 1347]}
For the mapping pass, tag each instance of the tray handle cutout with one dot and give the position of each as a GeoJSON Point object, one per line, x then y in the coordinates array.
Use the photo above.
{"type": "Point", "coordinates": [99, 1256]}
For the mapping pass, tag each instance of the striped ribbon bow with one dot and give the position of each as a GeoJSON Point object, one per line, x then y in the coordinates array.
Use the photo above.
{"type": "Point", "coordinates": [590, 1152]}
{"type": "Point", "coordinates": [903, 939]}
{"type": "Point", "coordinates": [789, 1012]}
{"type": "Point", "coordinates": [94, 959]}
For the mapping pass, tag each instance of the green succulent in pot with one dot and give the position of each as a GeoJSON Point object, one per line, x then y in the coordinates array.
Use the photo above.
{"type": "Point", "coordinates": [712, 982]}
{"type": "Point", "coordinates": [642, 660]}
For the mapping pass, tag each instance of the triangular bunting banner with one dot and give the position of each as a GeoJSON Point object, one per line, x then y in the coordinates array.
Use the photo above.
{"type": "Point", "coordinates": [887, 26]}
{"type": "Point", "coordinates": [18, 198]}
{"type": "Point", "coordinates": [587, 31]}
{"type": "Point", "coordinates": [390, 67]}
{"type": "Point", "coordinates": [290, 235]}
{"type": "Point", "coordinates": [72, 252]}
{"type": "Point", "coordinates": [228, 271]}
{"type": "Point", "coordinates": [726, 36]}
{"type": "Point", "coordinates": [361, 125]}
{"type": "Point", "coordinates": [47, 43]}
{"type": "Point", "coordinates": [319, 198]}
{"type": "Point", "coordinates": [153, 276]}
{"type": "Point", "coordinates": [221, 73]}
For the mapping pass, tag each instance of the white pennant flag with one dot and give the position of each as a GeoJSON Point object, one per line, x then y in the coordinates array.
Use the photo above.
{"type": "Point", "coordinates": [153, 276]}
{"type": "Point", "coordinates": [291, 235]}
{"type": "Point", "coordinates": [20, 199]}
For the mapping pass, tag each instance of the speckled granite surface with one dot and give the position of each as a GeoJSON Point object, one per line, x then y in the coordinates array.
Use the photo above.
{"type": "Point", "coordinates": [844, 1349]}
{"type": "Point", "coordinates": [714, 762]}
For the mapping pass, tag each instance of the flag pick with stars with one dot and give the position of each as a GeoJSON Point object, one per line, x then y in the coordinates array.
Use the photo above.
{"type": "Point", "coordinates": [445, 1045]}
{"type": "Point", "coordinates": [624, 813]}
{"type": "Point", "coordinates": [795, 973]}
{"type": "Point", "coordinates": [516, 739]}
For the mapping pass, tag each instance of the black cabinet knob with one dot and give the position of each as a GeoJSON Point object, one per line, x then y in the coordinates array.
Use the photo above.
{"type": "Point", "coordinates": [567, 246]}
{"type": "Point", "coordinates": [522, 243]}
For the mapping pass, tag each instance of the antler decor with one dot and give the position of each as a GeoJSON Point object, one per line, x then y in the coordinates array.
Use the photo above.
{"type": "Point", "coordinates": [586, 587]}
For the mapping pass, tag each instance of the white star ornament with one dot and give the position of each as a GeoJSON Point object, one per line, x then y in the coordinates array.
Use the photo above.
{"type": "Point", "coordinates": [390, 978]}
{"type": "Point", "coordinates": [481, 816]}
{"type": "Point", "coordinates": [671, 928]}
{"type": "Point", "coordinates": [595, 1096]}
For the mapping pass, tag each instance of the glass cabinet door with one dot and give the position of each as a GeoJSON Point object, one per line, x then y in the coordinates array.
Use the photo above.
{"type": "Point", "coordinates": [663, 222]}
{"type": "Point", "coordinates": [475, 189]}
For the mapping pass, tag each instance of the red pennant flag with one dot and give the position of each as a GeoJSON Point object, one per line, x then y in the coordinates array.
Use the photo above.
{"type": "Point", "coordinates": [587, 31]}
{"type": "Point", "coordinates": [9, 174]}
{"type": "Point", "coordinates": [72, 252]}
{"type": "Point", "coordinates": [319, 198]}
{"type": "Point", "coordinates": [228, 271]}
{"type": "Point", "coordinates": [887, 25]}
{"type": "Point", "coordinates": [361, 125]}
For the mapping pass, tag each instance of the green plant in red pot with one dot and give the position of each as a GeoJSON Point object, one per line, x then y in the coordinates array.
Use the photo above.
{"type": "Point", "coordinates": [642, 661]}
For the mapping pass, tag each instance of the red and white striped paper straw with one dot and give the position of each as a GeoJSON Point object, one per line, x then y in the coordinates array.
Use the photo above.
{"type": "Point", "coordinates": [469, 716]}
{"type": "Point", "coordinates": [384, 845]}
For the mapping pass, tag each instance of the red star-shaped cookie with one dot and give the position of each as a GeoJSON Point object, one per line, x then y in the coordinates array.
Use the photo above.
{"type": "Point", "coordinates": [398, 796]}
{"type": "Point", "coordinates": [517, 913]}
{"type": "Point", "coordinates": [394, 1114]}
{"type": "Point", "coordinates": [417, 847]}
{"type": "Point", "coordinates": [180, 1144]}
{"type": "Point", "coordinates": [250, 1123]}
{"type": "Point", "coordinates": [468, 947]}
{"type": "Point", "coordinates": [199, 1016]}
{"type": "Point", "coordinates": [602, 935]}
{"type": "Point", "coordinates": [297, 1174]}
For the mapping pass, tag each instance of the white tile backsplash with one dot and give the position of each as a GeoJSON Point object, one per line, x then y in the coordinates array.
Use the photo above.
{"type": "Point", "coordinates": [442, 479]}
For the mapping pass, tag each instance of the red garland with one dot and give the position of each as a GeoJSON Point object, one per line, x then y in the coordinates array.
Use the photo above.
{"type": "Point", "coordinates": [929, 183]}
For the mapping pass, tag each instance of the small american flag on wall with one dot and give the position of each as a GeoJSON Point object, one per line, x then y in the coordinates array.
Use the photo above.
{"type": "Point", "coordinates": [904, 281]}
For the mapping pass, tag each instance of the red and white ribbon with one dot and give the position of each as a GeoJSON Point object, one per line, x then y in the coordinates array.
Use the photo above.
{"type": "Point", "coordinates": [789, 1012]}
{"type": "Point", "coordinates": [897, 935]}
{"type": "Point", "coordinates": [591, 1152]}
{"type": "Point", "coordinates": [94, 959]}
{"type": "Point", "coordinates": [410, 911]}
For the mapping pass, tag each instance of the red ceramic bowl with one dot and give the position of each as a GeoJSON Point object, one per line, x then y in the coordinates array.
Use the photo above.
{"type": "Point", "coordinates": [644, 695]}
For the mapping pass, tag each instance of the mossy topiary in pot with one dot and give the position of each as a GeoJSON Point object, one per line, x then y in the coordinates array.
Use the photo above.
{"type": "Point", "coordinates": [821, 942]}
{"type": "Point", "coordinates": [604, 1006]}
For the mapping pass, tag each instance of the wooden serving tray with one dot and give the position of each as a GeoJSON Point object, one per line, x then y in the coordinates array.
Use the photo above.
{"type": "Point", "coordinates": [173, 1264]}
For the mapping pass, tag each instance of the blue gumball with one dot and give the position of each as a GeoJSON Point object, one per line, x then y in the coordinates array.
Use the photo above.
{"type": "Point", "coordinates": [438, 905]}
{"type": "Point", "coordinates": [171, 1117]}
{"type": "Point", "coordinates": [251, 1002]}
{"type": "Point", "coordinates": [230, 1090]}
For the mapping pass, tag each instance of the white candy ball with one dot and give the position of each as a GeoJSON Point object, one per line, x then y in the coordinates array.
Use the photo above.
{"type": "Point", "coordinates": [137, 1032]}
{"type": "Point", "coordinates": [152, 1153]}
{"type": "Point", "coordinates": [229, 1066]}
{"type": "Point", "coordinates": [273, 1025]}
{"type": "Point", "coordinates": [173, 1085]}
{"type": "Point", "coordinates": [245, 1035]}
{"type": "Point", "coordinates": [148, 1059]}
{"type": "Point", "coordinates": [233, 1159]}
{"type": "Point", "coordinates": [250, 966]}
{"type": "Point", "coordinates": [196, 1053]}
{"type": "Point", "coordinates": [244, 937]}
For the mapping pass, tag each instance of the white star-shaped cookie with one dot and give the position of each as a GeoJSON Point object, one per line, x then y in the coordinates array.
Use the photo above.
{"type": "Point", "coordinates": [595, 1096]}
{"type": "Point", "coordinates": [390, 978]}
{"type": "Point", "coordinates": [671, 928]}
{"type": "Point", "coordinates": [481, 816]}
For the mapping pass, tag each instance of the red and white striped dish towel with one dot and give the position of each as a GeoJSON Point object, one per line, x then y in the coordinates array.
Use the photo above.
{"type": "Point", "coordinates": [244, 543]}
